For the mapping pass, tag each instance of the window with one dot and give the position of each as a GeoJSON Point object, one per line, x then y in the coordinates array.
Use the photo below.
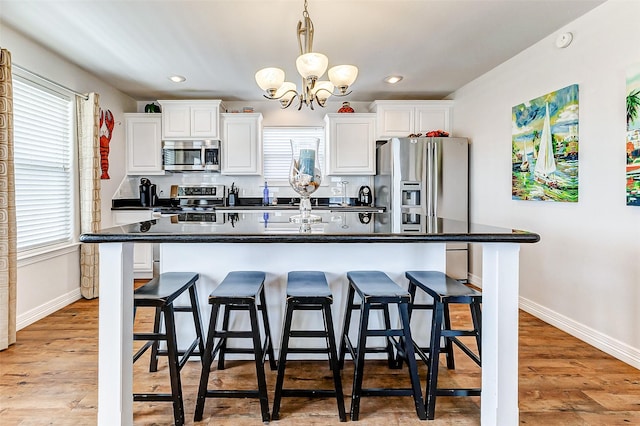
{"type": "Point", "coordinates": [277, 150]}
{"type": "Point", "coordinates": [43, 155]}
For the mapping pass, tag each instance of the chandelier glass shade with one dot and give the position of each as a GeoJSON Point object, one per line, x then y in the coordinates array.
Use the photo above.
{"type": "Point", "coordinates": [311, 66]}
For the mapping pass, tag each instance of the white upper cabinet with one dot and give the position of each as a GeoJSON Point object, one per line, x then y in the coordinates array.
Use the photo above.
{"type": "Point", "coordinates": [241, 144]}
{"type": "Point", "coordinates": [190, 119]}
{"type": "Point", "coordinates": [143, 144]}
{"type": "Point", "coordinates": [351, 143]}
{"type": "Point", "coordinates": [402, 118]}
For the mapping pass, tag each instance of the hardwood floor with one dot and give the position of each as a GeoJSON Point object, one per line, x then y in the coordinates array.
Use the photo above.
{"type": "Point", "coordinates": [49, 378]}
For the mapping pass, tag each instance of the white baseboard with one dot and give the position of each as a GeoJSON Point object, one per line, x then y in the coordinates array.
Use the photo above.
{"type": "Point", "coordinates": [48, 308]}
{"type": "Point", "coordinates": [475, 280]}
{"type": "Point", "coordinates": [613, 347]}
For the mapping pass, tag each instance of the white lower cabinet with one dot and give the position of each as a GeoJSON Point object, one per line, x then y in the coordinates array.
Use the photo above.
{"type": "Point", "coordinates": [351, 144]}
{"type": "Point", "coordinates": [142, 252]}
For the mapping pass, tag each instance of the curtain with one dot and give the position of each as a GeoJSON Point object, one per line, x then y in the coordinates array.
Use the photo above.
{"type": "Point", "coordinates": [8, 238]}
{"type": "Point", "coordinates": [89, 166]}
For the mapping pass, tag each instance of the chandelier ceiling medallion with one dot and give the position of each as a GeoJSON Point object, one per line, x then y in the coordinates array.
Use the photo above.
{"type": "Point", "coordinates": [311, 66]}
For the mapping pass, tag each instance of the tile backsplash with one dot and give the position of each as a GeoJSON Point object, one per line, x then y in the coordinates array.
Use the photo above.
{"type": "Point", "coordinates": [249, 186]}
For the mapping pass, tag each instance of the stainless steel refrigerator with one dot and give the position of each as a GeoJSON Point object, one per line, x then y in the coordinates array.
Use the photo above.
{"type": "Point", "coordinates": [420, 179]}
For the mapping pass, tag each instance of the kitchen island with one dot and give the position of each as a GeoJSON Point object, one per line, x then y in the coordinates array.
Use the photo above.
{"type": "Point", "coordinates": [340, 243]}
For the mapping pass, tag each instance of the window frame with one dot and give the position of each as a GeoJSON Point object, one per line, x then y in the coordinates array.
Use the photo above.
{"type": "Point", "coordinates": [53, 249]}
{"type": "Point", "coordinates": [313, 131]}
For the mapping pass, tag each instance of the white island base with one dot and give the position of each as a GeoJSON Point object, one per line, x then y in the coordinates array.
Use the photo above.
{"type": "Point", "coordinates": [499, 401]}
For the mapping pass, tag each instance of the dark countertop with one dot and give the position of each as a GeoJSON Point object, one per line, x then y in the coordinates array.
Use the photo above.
{"type": "Point", "coordinates": [266, 227]}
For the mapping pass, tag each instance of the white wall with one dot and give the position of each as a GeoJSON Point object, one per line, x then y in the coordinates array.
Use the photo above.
{"type": "Point", "coordinates": [48, 282]}
{"type": "Point", "coordinates": [584, 274]}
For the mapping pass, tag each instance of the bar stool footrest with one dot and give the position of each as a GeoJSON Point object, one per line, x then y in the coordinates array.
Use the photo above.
{"type": "Point", "coordinates": [307, 351]}
{"type": "Point", "coordinates": [386, 392]}
{"type": "Point", "coordinates": [458, 392]}
{"type": "Point", "coordinates": [156, 397]}
{"type": "Point", "coordinates": [233, 394]}
{"type": "Point", "coordinates": [308, 393]}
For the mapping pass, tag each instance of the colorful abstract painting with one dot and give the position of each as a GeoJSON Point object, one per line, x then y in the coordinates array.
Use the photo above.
{"type": "Point", "coordinates": [633, 136]}
{"type": "Point", "coordinates": [544, 147]}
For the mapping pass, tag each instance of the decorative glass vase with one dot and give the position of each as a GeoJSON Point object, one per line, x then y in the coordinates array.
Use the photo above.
{"type": "Point", "coordinates": [305, 177]}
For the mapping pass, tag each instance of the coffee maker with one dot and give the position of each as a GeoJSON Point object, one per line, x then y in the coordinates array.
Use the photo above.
{"type": "Point", "coordinates": [148, 196]}
{"type": "Point", "coordinates": [365, 198]}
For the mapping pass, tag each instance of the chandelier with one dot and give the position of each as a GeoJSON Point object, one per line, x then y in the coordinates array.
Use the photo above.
{"type": "Point", "coordinates": [311, 66]}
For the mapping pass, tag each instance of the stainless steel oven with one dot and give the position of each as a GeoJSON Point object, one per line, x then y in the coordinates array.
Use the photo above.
{"type": "Point", "coordinates": [201, 155]}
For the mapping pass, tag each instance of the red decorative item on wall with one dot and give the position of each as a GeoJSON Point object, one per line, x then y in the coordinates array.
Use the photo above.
{"type": "Point", "coordinates": [107, 122]}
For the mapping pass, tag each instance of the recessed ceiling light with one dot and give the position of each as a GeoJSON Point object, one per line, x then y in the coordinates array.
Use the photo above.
{"type": "Point", "coordinates": [393, 79]}
{"type": "Point", "coordinates": [177, 78]}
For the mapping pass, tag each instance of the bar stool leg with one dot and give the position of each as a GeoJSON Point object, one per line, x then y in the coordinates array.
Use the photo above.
{"type": "Point", "coordinates": [223, 344]}
{"type": "Point", "coordinates": [391, 359]}
{"type": "Point", "coordinates": [197, 320]}
{"type": "Point", "coordinates": [448, 344]}
{"type": "Point", "coordinates": [345, 328]}
{"type": "Point", "coordinates": [207, 360]}
{"type": "Point", "coordinates": [434, 353]}
{"type": "Point", "coordinates": [476, 318]}
{"type": "Point", "coordinates": [267, 331]}
{"type": "Point", "coordinates": [257, 347]}
{"type": "Point", "coordinates": [282, 360]}
{"type": "Point", "coordinates": [333, 360]}
{"type": "Point", "coordinates": [174, 370]}
{"type": "Point", "coordinates": [412, 296]}
{"type": "Point", "coordinates": [411, 361]}
{"type": "Point", "coordinates": [153, 360]}
{"type": "Point", "coordinates": [360, 355]}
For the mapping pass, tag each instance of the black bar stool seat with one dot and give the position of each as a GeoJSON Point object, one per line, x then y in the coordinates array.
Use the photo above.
{"type": "Point", "coordinates": [161, 293]}
{"type": "Point", "coordinates": [309, 291]}
{"type": "Point", "coordinates": [445, 290]}
{"type": "Point", "coordinates": [377, 291]}
{"type": "Point", "coordinates": [239, 291]}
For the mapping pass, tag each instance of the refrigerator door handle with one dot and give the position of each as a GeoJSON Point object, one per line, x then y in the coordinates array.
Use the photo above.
{"type": "Point", "coordinates": [436, 190]}
{"type": "Point", "coordinates": [431, 177]}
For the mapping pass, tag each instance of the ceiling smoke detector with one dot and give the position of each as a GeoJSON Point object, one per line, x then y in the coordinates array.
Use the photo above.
{"type": "Point", "coordinates": [564, 40]}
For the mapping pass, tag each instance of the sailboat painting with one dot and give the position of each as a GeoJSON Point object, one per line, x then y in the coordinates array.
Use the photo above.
{"type": "Point", "coordinates": [544, 147]}
{"type": "Point", "coordinates": [633, 136]}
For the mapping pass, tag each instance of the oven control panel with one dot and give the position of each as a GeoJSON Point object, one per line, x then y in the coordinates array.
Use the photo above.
{"type": "Point", "coordinates": [198, 191]}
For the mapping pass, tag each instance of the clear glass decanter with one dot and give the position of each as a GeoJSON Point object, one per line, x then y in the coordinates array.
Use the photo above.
{"type": "Point", "coordinates": [305, 177]}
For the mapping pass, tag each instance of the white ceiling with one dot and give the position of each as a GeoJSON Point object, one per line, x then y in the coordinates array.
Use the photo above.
{"type": "Point", "coordinates": [218, 45]}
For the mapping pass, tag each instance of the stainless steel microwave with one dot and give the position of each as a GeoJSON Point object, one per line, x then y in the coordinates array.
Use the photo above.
{"type": "Point", "coordinates": [201, 155]}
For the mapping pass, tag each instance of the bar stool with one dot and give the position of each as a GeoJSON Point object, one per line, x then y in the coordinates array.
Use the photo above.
{"type": "Point", "coordinates": [308, 291]}
{"type": "Point", "coordinates": [445, 291]}
{"type": "Point", "coordinates": [239, 291]}
{"type": "Point", "coordinates": [160, 293]}
{"type": "Point", "coordinates": [377, 291]}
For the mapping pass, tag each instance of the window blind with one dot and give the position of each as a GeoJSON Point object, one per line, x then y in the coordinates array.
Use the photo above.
{"type": "Point", "coordinates": [43, 140]}
{"type": "Point", "coordinates": [276, 150]}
